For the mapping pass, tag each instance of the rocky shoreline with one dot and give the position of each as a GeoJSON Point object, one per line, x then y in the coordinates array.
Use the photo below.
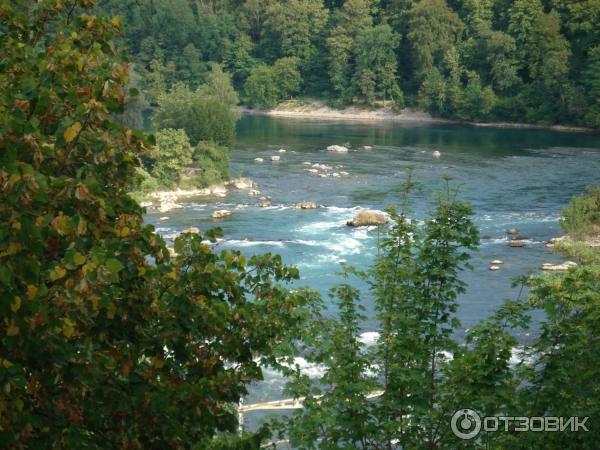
{"type": "Point", "coordinates": [318, 110]}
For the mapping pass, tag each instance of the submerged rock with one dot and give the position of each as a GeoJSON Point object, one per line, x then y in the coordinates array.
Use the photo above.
{"type": "Point", "coordinates": [337, 149]}
{"type": "Point", "coordinates": [517, 244]}
{"type": "Point", "coordinates": [265, 203]}
{"type": "Point", "coordinates": [306, 205]}
{"type": "Point", "coordinates": [368, 218]}
{"type": "Point", "coordinates": [221, 214]}
{"type": "Point", "coordinates": [512, 231]}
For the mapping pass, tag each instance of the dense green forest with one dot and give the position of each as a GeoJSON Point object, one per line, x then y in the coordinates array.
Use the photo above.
{"type": "Point", "coordinates": [109, 341]}
{"type": "Point", "coordinates": [513, 60]}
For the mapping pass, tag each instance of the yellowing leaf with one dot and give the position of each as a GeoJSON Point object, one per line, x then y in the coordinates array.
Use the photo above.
{"type": "Point", "coordinates": [111, 310]}
{"type": "Point", "coordinates": [68, 328]}
{"type": "Point", "coordinates": [57, 273]}
{"type": "Point", "coordinates": [78, 259]}
{"type": "Point", "coordinates": [31, 291]}
{"type": "Point", "coordinates": [72, 131]}
{"type": "Point", "coordinates": [12, 329]}
{"type": "Point", "coordinates": [16, 305]}
{"type": "Point", "coordinates": [6, 363]}
{"type": "Point", "coordinates": [116, 21]}
{"type": "Point", "coordinates": [89, 267]}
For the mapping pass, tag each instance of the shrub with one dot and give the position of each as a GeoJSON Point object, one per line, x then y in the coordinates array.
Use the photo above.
{"type": "Point", "coordinates": [581, 218]}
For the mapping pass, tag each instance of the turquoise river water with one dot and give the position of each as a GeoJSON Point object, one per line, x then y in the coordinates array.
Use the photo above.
{"type": "Point", "coordinates": [512, 177]}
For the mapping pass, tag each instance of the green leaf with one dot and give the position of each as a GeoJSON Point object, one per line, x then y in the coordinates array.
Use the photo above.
{"type": "Point", "coordinates": [114, 265]}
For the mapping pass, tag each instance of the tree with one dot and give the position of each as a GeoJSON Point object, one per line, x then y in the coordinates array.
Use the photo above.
{"type": "Point", "coordinates": [432, 29]}
{"type": "Point", "coordinates": [522, 16]}
{"type": "Point", "coordinates": [218, 86]}
{"type": "Point", "coordinates": [375, 51]}
{"type": "Point", "coordinates": [106, 340]}
{"type": "Point", "coordinates": [592, 82]}
{"type": "Point", "coordinates": [295, 25]}
{"type": "Point", "coordinates": [260, 88]}
{"type": "Point", "coordinates": [548, 64]}
{"type": "Point", "coordinates": [171, 155]}
{"type": "Point", "coordinates": [337, 412]}
{"type": "Point", "coordinates": [287, 76]}
{"type": "Point", "coordinates": [202, 114]}
{"type": "Point", "coordinates": [238, 60]}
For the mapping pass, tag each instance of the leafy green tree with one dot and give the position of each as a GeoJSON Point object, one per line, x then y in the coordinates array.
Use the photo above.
{"type": "Point", "coordinates": [564, 365]}
{"type": "Point", "coordinates": [337, 412]}
{"type": "Point", "coordinates": [171, 155]}
{"type": "Point", "coordinates": [261, 88]}
{"type": "Point", "coordinates": [106, 340]}
{"type": "Point", "coordinates": [375, 51]}
{"type": "Point", "coordinates": [295, 27]}
{"type": "Point", "coordinates": [238, 60]}
{"type": "Point", "coordinates": [348, 22]}
{"type": "Point", "coordinates": [592, 83]}
{"type": "Point", "coordinates": [433, 95]}
{"type": "Point", "coordinates": [203, 117]}
{"type": "Point", "coordinates": [548, 67]}
{"type": "Point", "coordinates": [523, 14]}
{"type": "Point", "coordinates": [432, 29]}
{"type": "Point", "coordinates": [287, 76]}
{"type": "Point", "coordinates": [218, 86]}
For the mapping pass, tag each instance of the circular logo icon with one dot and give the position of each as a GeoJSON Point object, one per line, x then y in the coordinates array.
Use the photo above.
{"type": "Point", "coordinates": [466, 424]}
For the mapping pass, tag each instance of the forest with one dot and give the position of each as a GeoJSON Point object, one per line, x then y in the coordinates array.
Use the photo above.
{"type": "Point", "coordinates": [110, 341]}
{"type": "Point", "coordinates": [527, 61]}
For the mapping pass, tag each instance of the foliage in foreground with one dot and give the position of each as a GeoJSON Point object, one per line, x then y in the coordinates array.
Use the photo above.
{"type": "Point", "coordinates": [105, 340]}
{"type": "Point", "coordinates": [422, 374]}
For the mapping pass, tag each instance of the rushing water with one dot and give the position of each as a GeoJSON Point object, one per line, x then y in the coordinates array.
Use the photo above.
{"type": "Point", "coordinates": [512, 177]}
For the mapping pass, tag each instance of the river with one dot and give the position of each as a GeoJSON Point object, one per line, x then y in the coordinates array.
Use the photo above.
{"type": "Point", "coordinates": [512, 177]}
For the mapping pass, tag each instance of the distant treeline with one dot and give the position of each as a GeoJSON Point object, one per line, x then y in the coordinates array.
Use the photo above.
{"type": "Point", "coordinates": [522, 60]}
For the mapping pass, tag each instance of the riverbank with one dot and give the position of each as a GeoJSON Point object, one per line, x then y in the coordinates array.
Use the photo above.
{"type": "Point", "coordinates": [318, 110]}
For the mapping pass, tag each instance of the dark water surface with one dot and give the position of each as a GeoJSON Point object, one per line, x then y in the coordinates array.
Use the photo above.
{"type": "Point", "coordinates": [512, 177]}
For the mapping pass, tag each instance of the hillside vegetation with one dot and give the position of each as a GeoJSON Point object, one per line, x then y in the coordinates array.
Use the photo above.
{"type": "Point", "coordinates": [534, 61]}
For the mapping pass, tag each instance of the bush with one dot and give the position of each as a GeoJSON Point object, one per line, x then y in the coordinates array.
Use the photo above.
{"type": "Point", "coordinates": [204, 117]}
{"type": "Point", "coordinates": [260, 87]}
{"type": "Point", "coordinates": [106, 341]}
{"type": "Point", "coordinates": [581, 218]}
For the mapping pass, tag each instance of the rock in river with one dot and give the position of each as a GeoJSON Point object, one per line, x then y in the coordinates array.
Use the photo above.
{"type": "Point", "coordinates": [221, 214]}
{"type": "Point", "coordinates": [242, 183]}
{"type": "Point", "coordinates": [517, 244]}
{"type": "Point", "coordinates": [275, 158]}
{"type": "Point", "coordinates": [337, 149]}
{"type": "Point", "coordinates": [367, 218]}
{"type": "Point", "coordinates": [306, 205]}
